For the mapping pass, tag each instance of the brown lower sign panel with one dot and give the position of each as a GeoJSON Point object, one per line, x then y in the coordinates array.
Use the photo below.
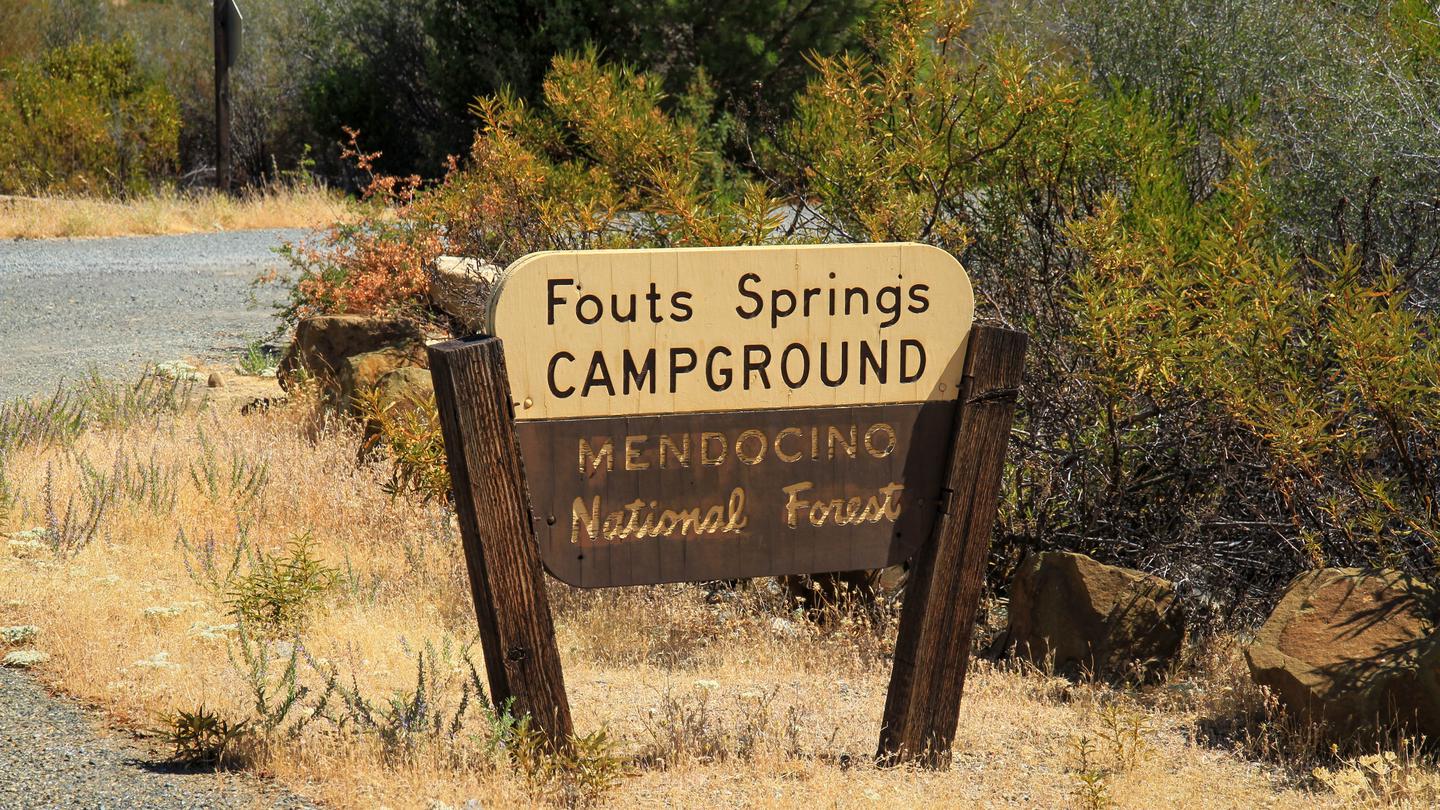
{"type": "Point", "coordinates": [693, 497]}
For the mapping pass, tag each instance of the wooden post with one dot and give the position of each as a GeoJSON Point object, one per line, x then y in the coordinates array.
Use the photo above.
{"type": "Point", "coordinates": [942, 593]}
{"type": "Point", "coordinates": [223, 57]}
{"type": "Point", "coordinates": [477, 418]}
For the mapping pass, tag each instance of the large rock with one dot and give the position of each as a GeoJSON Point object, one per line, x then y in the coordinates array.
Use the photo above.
{"type": "Point", "coordinates": [360, 373]}
{"type": "Point", "coordinates": [1084, 617]}
{"type": "Point", "coordinates": [461, 288]}
{"type": "Point", "coordinates": [343, 352]}
{"type": "Point", "coordinates": [405, 388]}
{"type": "Point", "coordinates": [1355, 652]}
{"type": "Point", "coordinates": [398, 393]}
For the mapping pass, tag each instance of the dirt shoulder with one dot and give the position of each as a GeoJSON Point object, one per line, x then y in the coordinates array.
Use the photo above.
{"type": "Point", "coordinates": [169, 214]}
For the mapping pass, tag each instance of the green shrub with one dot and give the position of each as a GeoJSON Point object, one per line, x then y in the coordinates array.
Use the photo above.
{"type": "Point", "coordinates": [410, 431]}
{"type": "Point", "coordinates": [601, 164]}
{"type": "Point", "coordinates": [1307, 385]}
{"type": "Point", "coordinates": [1205, 396]}
{"type": "Point", "coordinates": [201, 737]}
{"type": "Point", "coordinates": [85, 120]}
{"type": "Point", "coordinates": [1340, 98]}
{"type": "Point", "coordinates": [280, 593]}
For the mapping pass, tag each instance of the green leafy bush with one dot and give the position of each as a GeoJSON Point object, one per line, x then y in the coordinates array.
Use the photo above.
{"type": "Point", "coordinates": [1206, 395]}
{"type": "Point", "coordinates": [1309, 434]}
{"type": "Point", "coordinates": [85, 119]}
{"type": "Point", "coordinates": [201, 737]}
{"type": "Point", "coordinates": [410, 431]}
{"type": "Point", "coordinates": [281, 592]}
{"type": "Point", "coordinates": [600, 165]}
{"type": "Point", "coordinates": [1340, 98]}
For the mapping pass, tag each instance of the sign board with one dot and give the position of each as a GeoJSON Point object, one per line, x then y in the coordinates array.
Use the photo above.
{"type": "Point", "coordinates": [719, 413]}
{"type": "Point", "coordinates": [682, 415]}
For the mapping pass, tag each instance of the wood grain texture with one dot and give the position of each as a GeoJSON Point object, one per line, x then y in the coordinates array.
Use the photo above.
{"type": "Point", "coordinates": [763, 455]}
{"type": "Point", "coordinates": [942, 595]}
{"type": "Point", "coordinates": [493, 506]}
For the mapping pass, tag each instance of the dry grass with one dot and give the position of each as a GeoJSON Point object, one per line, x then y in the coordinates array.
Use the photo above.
{"type": "Point", "coordinates": [171, 213]}
{"type": "Point", "coordinates": [714, 698]}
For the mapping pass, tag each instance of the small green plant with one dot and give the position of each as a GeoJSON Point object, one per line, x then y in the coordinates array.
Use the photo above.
{"type": "Point", "coordinates": [111, 404]}
{"type": "Point", "coordinates": [408, 718]}
{"type": "Point", "coordinates": [580, 773]}
{"type": "Point", "coordinates": [410, 431]}
{"type": "Point", "coordinates": [201, 737]}
{"type": "Point", "coordinates": [93, 401]}
{"type": "Point", "coordinates": [1091, 791]}
{"type": "Point", "coordinates": [210, 566]}
{"type": "Point", "coordinates": [238, 476]}
{"type": "Point", "coordinates": [278, 698]}
{"type": "Point", "coordinates": [1124, 733]}
{"type": "Point", "coordinates": [280, 592]}
{"type": "Point", "coordinates": [143, 482]}
{"type": "Point", "coordinates": [71, 529]}
{"type": "Point", "coordinates": [256, 360]}
{"type": "Point", "coordinates": [54, 420]}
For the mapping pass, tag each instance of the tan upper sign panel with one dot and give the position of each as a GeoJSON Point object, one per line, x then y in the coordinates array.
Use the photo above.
{"type": "Point", "coordinates": [630, 332]}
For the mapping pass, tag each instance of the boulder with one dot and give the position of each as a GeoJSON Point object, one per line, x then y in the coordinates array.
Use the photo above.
{"type": "Point", "coordinates": [1354, 652]}
{"type": "Point", "coordinates": [361, 372]}
{"type": "Point", "coordinates": [342, 351]}
{"type": "Point", "coordinates": [405, 387]}
{"type": "Point", "coordinates": [461, 288]}
{"type": "Point", "coordinates": [1086, 618]}
{"type": "Point", "coordinates": [398, 391]}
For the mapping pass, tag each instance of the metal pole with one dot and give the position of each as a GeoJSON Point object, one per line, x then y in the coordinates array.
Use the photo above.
{"type": "Point", "coordinates": [223, 179]}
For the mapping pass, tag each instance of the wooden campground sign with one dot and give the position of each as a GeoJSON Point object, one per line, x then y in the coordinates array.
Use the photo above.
{"type": "Point", "coordinates": [692, 415]}
{"type": "Point", "coordinates": [647, 416]}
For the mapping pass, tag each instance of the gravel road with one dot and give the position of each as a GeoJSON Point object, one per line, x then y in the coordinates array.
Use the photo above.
{"type": "Point", "coordinates": [67, 305]}
{"type": "Point", "coordinates": [117, 304]}
{"type": "Point", "coordinates": [51, 756]}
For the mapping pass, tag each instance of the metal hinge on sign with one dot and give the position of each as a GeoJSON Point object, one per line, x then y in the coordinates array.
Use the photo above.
{"type": "Point", "coordinates": [946, 500]}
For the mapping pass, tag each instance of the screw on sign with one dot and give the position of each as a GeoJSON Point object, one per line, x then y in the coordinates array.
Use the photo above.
{"type": "Point", "coordinates": [647, 416]}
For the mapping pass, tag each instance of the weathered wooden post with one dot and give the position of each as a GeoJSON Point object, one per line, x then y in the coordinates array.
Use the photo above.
{"type": "Point", "coordinates": [942, 594]}
{"type": "Point", "coordinates": [492, 502]}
